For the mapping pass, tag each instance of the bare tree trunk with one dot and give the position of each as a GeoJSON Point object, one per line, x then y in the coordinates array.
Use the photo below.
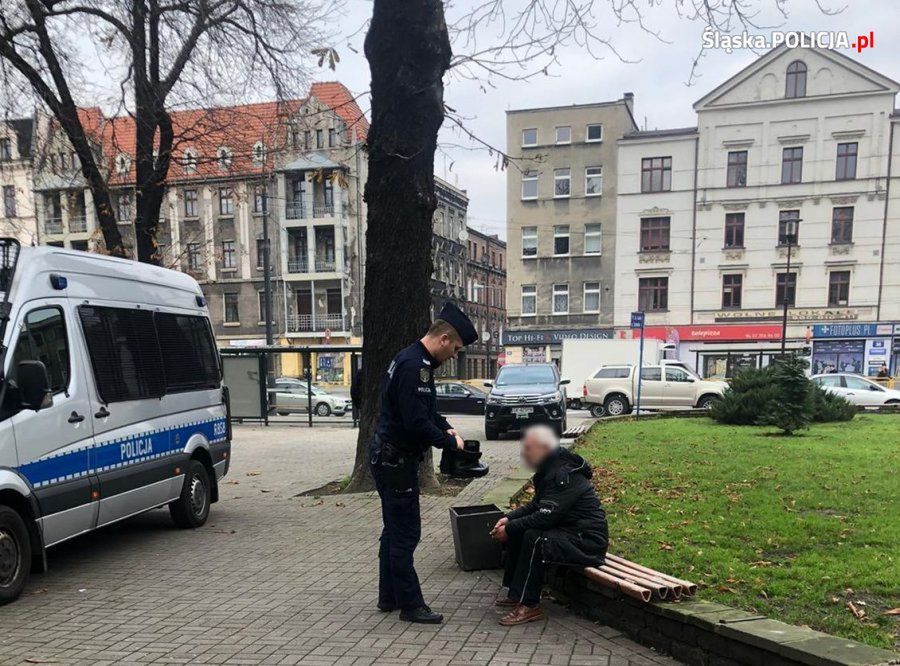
{"type": "Point", "coordinates": [408, 51]}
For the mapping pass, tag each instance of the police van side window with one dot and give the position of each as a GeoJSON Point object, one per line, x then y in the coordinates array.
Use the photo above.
{"type": "Point", "coordinates": [124, 351]}
{"type": "Point", "coordinates": [189, 352]}
{"type": "Point", "coordinates": [43, 338]}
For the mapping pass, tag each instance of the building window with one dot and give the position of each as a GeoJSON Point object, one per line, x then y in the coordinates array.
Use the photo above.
{"type": "Point", "coordinates": [593, 181]}
{"type": "Point", "coordinates": [655, 234]}
{"type": "Point", "coordinates": [190, 203]}
{"type": "Point", "coordinates": [561, 240]}
{"type": "Point", "coordinates": [786, 286]}
{"type": "Point", "coordinates": [259, 199]}
{"type": "Point", "coordinates": [232, 313]}
{"type": "Point", "coordinates": [189, 161]}
{"type": "Point", "coordinates": [332, 137]}
{"type": "Point", "coordinates": [842, 224]}
{"type": "Point", "coordinates": [734, 230]}
{"type": "Point", "coordinates": [731, 290]}
{"type": "Point", "coordinates": [737, 169]}
{"type": "Point", "coordinates": [591, 297]}
{"type": "Point", "coordinates": [320, 138]}
{"type": "Point", "coordinates": [259, 153]}
{"type": "Point", "coordinates": [594, 133]}
{"type": "Point", "coordinates": [656, 174]}
{"type": "Point", "coordinates": [529, 299]}
{"type": "Point", "coordinates": [838, 288]}
{"type": "Point", "coordinates": [193, 256]}
{"type": "Point", "coordinates": [845, 168]}
{"type": "Point", "coordinates": [653, 294]}
{"type": "Point", "coordinates": [224, 158]}
{"type": "Point", "coordinates": [529, 242]}
{"type": "Point", "coordinates": [307, 140]}
{"type": "Point", "coordinates": [9, 201]}
{"type": "Point", "coordinates": [529, 137]}
{"type": "Point", "coordinates": [795, 81]}
{"type": "Point", "coordinates": [226, 202]}
{"type": "Point", "coordinates": [261, 295]}
{"type": "Point", "coordinates": [5, 149]}
{"type": "Point", "coordinates": [560, 299]}
{"type": "Point", "coordinates": [788, 227]}
{"type": "Point", "coordinates": [593, 239]}
{"type": "Point", "coordinates": [563, 134]}
{"type": "Point", "coordinates": [562, 183]}
{"type": "Point", "coordinates": [791, 165]}
{"type": "Point", "coordinates": [529, 185]}
{"type": "Point", "coordinates": [123, 207]}
{"type": "Point", "coordinates": [228, 254]}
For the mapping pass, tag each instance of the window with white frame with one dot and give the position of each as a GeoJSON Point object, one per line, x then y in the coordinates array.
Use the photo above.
{"type": "Point", "coordinates": [189, 160]}
{"type": "Point", "coordinates": [529, 137]}
{"type": "Point", "coordinates": [529, 241]}
{"type": "Point", "coordinates": [224, 158]}
{"type": "Point", "coordinates": [228, 255]}
{"type": "Point", "coordinates": [591, 297]}
{"type": "Point", "coordinates": [594, 133]}
{"type": "Point", "coordinates": [560, 299]}
{"type": "Point", "coordinates": [562, 183]}
{"type": "Point", "coordinates": [232, 311]}
{"type": "Point", "coordinates": [593, 239]}
{"type": "Point", "coordinates": [529, 299]}
{"type": "Point", "coordinates": [563, 134]}
{"type": "Point", "coordinates": [226, 202]}
{"type": "Point", "coordinates": [561, 239]}
{"type": "Point", "coordinates": [529, 185]}
{"type": "Point", "coordinates": [593, 181]}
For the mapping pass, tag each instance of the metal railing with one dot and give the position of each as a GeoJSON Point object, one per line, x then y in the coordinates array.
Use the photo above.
{"type": "Point", "coordinates": [319, 322]}
{"type": "Point", "coordinates": [293, 210]}
{"type": "Point", "coordinates": [325, 265]}
{"type": "Point", "coordinates": [53, 226]}
{"type": "Point", "coordinates": [298, 265]}
{"type": "Point", "coordinates": [77, 223]}
{"type": "Point", "coordinates": [323, 210]}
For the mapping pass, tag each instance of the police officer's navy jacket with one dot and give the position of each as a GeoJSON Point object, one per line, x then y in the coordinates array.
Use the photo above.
{"type": "Point", "coordinates": [409, 419]}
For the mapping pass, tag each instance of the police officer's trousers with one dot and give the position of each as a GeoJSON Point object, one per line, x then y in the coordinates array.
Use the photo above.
{"type": "Point", "coordinates": [398, 584]}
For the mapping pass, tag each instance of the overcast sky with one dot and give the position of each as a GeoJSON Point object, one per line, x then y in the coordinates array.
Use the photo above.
{"type": "Point", "coordinates": [657, 81]}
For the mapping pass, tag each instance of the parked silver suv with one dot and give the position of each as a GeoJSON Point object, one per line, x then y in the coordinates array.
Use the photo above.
{"type": "Point", "coordinates": [612, 389]}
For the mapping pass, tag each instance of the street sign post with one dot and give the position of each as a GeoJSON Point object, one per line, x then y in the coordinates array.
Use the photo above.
{"type": "Point", "coordinates": [637, 321]}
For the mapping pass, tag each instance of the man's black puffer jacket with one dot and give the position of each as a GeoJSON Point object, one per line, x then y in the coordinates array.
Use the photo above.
{"type": "Point", "coordinates": [566, 506]}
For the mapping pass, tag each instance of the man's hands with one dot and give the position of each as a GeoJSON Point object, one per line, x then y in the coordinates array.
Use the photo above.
{"type": "Point", "coordinates": [460, 445]}
{"type": "Point", "coordinates": [499, 531]}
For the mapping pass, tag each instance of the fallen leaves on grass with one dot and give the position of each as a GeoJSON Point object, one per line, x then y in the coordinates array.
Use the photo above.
{"type": "Point", "coordinates": [253, 473]}
{"type": "Point", "coordinates": [893, 611]}
{"type": "Point", "coordinates": [858, 612]}
{"type": "Point", "coordinates": [666, 546]}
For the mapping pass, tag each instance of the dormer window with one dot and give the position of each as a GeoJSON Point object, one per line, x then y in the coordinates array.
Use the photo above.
{"type": "Point", "coordinates": [189, 161]}
{"type": "Point", "coordinates": [795, 81]}
{"type": "Point", "coordinates": [224, 158]}
{"type": "Point", "coordinates": [259, 153]}
{"type": "Point", "coordinates": [123, 164]}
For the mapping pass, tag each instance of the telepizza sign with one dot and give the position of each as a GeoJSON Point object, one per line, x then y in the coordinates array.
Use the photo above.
{"type": "Point", "coordinates": [749, 332]}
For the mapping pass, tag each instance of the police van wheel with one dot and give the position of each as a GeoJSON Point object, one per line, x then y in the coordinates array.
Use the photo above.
{"type": "Point", "coordinates": [15, 555]}
{"type": "Point", "coordinates": [192, 508]}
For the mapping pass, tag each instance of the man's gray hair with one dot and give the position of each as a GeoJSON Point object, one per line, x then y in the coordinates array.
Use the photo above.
{"type": "Point", "coordinates": [544, 434]}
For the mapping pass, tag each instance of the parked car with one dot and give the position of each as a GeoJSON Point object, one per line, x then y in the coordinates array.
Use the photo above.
{"type": "Point", "coordinates": [857, 390]}
{"type": "Point", "coordinates": [612, 389]}
{"type": "Point", "coordinates": [525, 394]}
{"type": "Point", "coordinates": [290, 396]}
{"type": "Point", "coordinates": [459, 398]}
{"type": "Point", "coordinates": [111, 401]}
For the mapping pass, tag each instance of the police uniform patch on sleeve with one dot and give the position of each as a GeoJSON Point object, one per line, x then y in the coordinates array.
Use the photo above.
{"type": "Point", "coordinates": [425, 375]}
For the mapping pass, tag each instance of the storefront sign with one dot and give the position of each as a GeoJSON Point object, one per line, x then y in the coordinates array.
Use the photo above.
{"type": "Point", "coordinates": [851, 330]}
{"type": "Point", "coordinates": [549, 337]}
{"type": "Point", "coordinates": [678, 334]}
{"type": "Point", "coordinates": [794, 314]}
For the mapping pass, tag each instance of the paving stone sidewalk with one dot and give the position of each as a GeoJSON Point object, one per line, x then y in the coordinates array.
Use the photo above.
{"type": "Point", "coordinates": [279, 579]}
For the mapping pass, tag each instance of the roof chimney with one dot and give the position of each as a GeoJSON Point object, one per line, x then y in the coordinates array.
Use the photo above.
{"type": "Point", "coordinates": [628, 98]}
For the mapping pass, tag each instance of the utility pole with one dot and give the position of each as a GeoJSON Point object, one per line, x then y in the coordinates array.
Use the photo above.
{"type": "Point", "coordinates": [267, 268]}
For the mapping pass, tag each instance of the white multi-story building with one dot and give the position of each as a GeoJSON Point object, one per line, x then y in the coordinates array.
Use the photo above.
{"type": "Point", "coordinates": [17, 208]}
{"type": "Point", "coordinates": [792, 154]}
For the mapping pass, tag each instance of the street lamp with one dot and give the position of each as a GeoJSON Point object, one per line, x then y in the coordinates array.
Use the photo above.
{"type": "Point", "coordinates": [789, 238]}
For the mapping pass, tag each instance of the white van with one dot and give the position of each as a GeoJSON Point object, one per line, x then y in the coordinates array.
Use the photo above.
{"type": "Point", "coordinates": [111, 400]}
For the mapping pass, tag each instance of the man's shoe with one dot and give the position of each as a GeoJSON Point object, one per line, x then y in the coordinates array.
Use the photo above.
{"type": "Point", "coordinates": [421, 615]}
{"type": "Point", "coordinates": [521, 615]}
{"type": "Point", "coordinates": [386, 608]}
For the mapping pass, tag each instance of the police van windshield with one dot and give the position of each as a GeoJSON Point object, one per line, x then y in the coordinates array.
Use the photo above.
{"type": "Point", "coordinates": [518, 375]}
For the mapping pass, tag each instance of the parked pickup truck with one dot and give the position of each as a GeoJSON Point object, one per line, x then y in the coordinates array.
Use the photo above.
{"type": "Point", "coordinates": [612, 390]}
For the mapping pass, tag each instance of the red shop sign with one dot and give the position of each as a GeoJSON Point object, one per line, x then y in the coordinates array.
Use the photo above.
{"type": "Point", "coordinates": [712, 333]}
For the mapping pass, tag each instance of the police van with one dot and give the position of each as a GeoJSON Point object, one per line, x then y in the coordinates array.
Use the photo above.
{"type": "Point", "coordinates": [111, 400]}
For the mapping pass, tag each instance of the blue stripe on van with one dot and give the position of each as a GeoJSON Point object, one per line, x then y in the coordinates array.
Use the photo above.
{"type": "Point", "coordinates": [118, 453]}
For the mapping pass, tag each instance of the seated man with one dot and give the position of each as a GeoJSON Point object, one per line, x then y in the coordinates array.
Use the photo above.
{"type": "Point", "coordinates": [563, 524]}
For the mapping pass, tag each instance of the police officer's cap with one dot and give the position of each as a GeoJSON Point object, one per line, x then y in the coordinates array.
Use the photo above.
{"type": "Point", "coordinates": [458, 320]}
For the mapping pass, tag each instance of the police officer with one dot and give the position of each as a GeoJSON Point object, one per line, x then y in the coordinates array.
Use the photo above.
{"type": "Point", "coordinates": [407, 426]}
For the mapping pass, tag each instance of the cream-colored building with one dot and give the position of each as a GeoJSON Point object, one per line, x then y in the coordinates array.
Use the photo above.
{"type": "Point", "coordinates": [561, 215]}
{"type": "Point", "coordinates": [17, 208]}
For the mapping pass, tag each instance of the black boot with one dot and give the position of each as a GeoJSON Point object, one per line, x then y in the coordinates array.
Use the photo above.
{"type": "Point", "coordinates": [421, 615]}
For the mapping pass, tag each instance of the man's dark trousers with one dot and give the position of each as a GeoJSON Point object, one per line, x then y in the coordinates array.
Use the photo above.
{"type": "Point", "coordinates": [524, 567]}
{"type": "Point", "coordinates": [398, 584]}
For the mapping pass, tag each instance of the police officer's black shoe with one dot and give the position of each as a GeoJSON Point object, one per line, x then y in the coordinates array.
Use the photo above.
{"type": "Point", "coordinates": [422, 615]}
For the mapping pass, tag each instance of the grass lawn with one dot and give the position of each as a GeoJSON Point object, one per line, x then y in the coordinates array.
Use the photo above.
{"type": "Point", "coordinates": [791, 527]}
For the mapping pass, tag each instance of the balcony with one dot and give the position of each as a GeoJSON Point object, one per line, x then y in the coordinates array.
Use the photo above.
{"type": "Point", "coordinates": [77, 224]}
{"type": "Point", "coordinates": [293, 210]}
{"type": "Point", "coordinates": [53, 226]}
{"type": "Point", "coordinates": [315, 323]}
{"type": "Point", "coordinates": [325, 265]}
{"type": "Point", "coordinates": [323, 210]}
{"type": "Point", "coordinates": [297, 265]}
